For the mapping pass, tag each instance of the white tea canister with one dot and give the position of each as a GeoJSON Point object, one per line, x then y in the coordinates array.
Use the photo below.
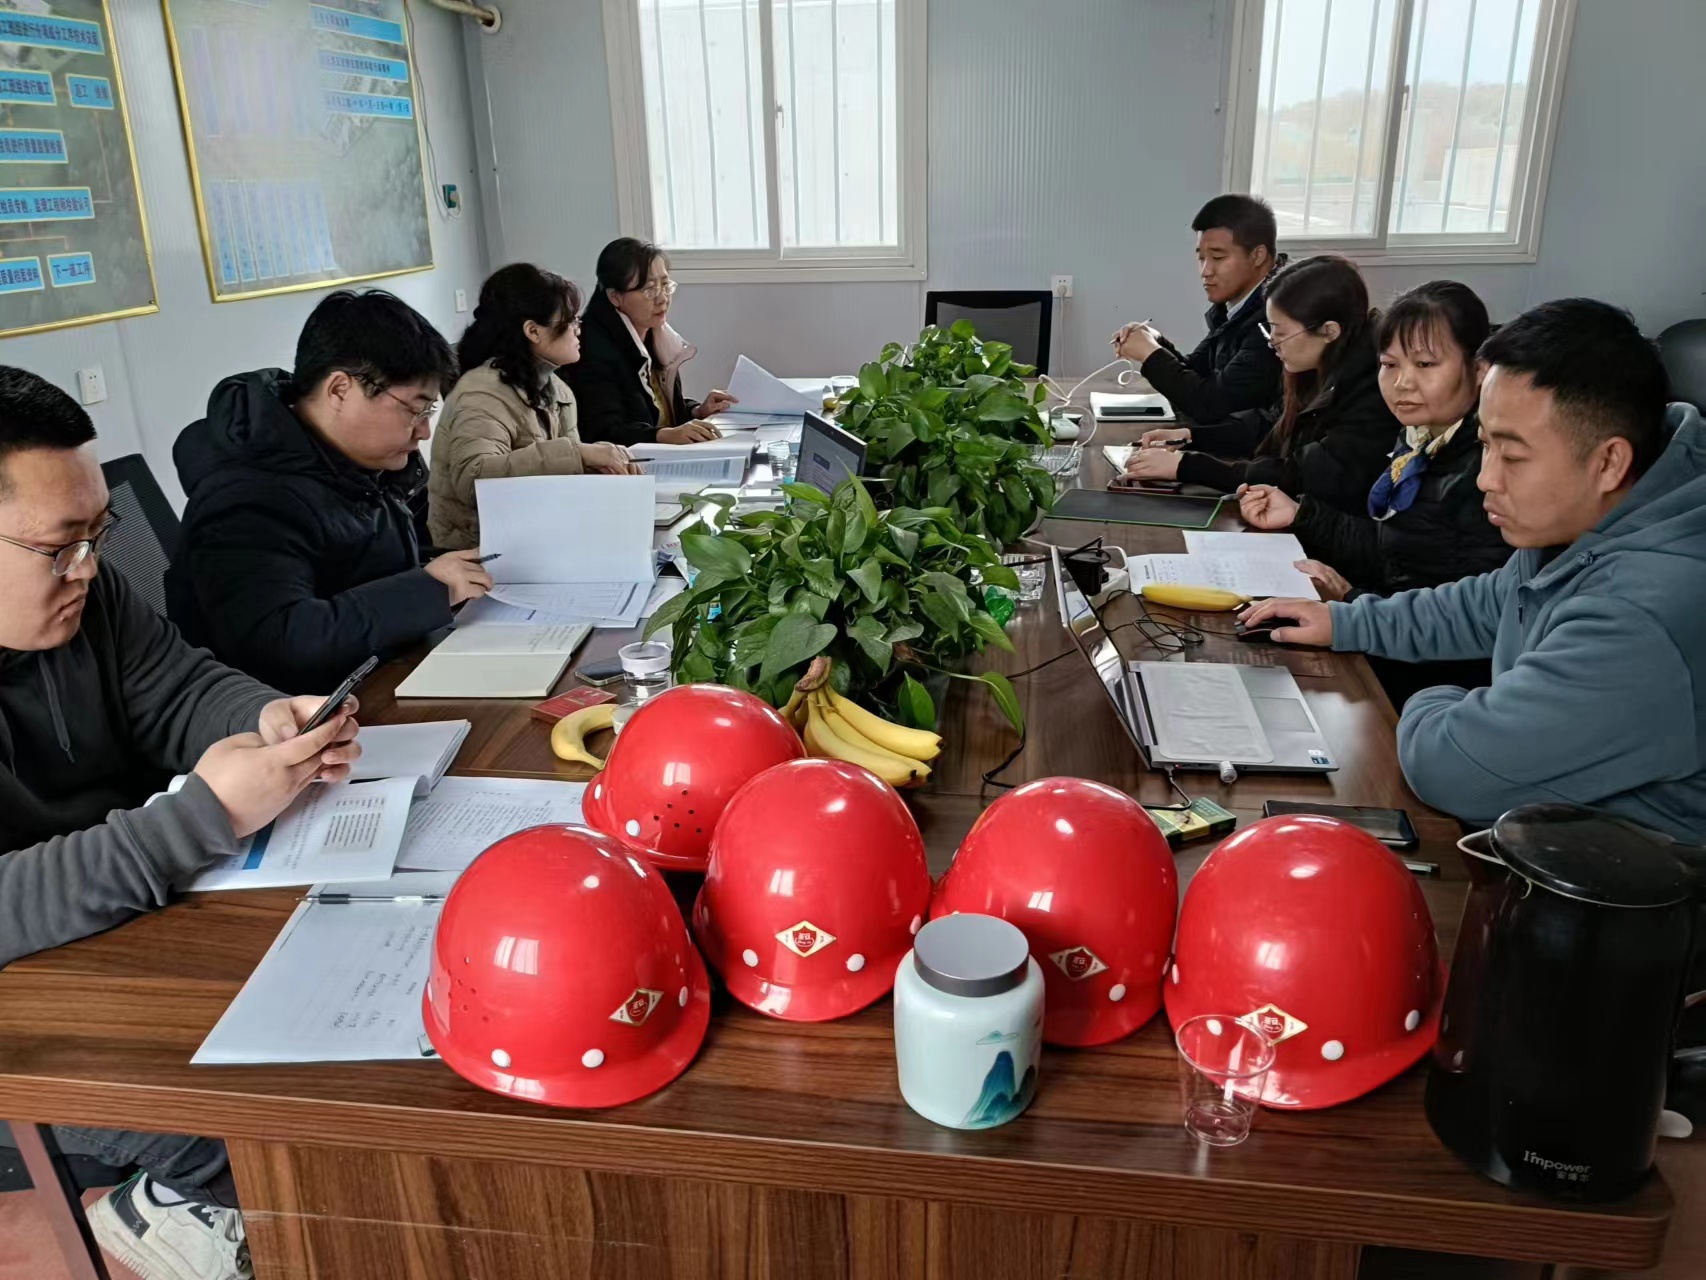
{"type": "Point", "coordinates": [968, 1022]}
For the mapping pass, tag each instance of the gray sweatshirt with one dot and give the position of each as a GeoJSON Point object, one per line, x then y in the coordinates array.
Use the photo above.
{"type": "Point", "coordinates": [88, 732]}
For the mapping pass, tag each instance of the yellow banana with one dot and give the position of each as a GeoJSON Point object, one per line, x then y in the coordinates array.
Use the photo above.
{"type": "Point", "coordinates": [849, 737]}
{"type": "Point", "coordinates": [568, 735]}
{"type": "Point", "coordinates": [821, 740]}
{"type": "Point", "coordinates": [1195, 599]}
{"type": "Point", "coordinates": [915, 744]}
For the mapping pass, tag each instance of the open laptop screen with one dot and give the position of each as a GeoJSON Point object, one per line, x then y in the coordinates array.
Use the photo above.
{"type": "Point", "coordinates": [828, 455]}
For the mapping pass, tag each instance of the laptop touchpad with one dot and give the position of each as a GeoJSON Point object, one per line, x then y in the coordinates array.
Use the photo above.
{"type": "Point", "coordinates": [1282, 715]}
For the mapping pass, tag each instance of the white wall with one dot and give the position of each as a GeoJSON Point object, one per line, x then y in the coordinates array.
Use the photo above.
{"type": "Point", "coordinates": [160, 367]}
{"type": "Point", "coordinates": [1079, 136]}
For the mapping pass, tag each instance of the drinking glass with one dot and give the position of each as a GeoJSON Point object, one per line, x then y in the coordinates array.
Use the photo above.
{"type": "Point", "coordinates": [1223, 1065]}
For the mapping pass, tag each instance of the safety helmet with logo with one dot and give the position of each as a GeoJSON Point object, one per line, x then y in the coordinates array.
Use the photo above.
{"type": "Point", "coordinates": [1314, 933]}
{"type": "Point", "coordinates": [675, 765]}
{"type": "Point", "coordinates": [816, 885]}
{"type": "Point", "coordinates": [562, 973]}
{"type": "Point", "coordinates": [1085, 873]}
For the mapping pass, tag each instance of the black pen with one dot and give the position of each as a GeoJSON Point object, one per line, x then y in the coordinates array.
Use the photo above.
{"type": "Point", "coordinates": [488, 559]}
{"type": "Point", "coordinates": [344, 899]}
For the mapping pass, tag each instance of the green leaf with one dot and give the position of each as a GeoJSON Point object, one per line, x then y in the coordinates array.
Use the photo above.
{"type": "Point", "coordinates": [914, 704]}
{"type": "Point", "coordinates": [863, 503]}
{"type": "Point", "coordinates": [752, 640]}
{"type": "Point", "coordinates": [853, 536]}
{"type": "Point", "coordinates": [805, 493]}
{"type": "Point", "coordinates": [823, 578]}
{"type": "Point", "coordinates": [873, 382]}
{"type": "Point", "coordinates": [1003, 408]}
{"type": "Point", "coordinates": [981, 384]}
{"type": "Point", "coordinates": [868, 577]}
{"type": "Point", "coordinates": [668, 612]}
{"type": "Point", "coordinates": [963, 330]}
{"type": "Point", "coordinates": [999, 575]}
{"type": "Point", "coordinates": [1001, 688]}
{"type": "Point", "coordinates": [990, 630]}
{"type": "Point", "coordinates": [796, 639]}
{"type": "Point", "coordinates": [867, 633]}
{"type": "Point", "coordinates": [715, 551]}
{"type": "Point", "coordinates": [905, 541]}
{"type": "Point", "coordinates": [940, 610]}
{"type": "Point", "coordinates": [902, 632]}
{"type": "Point", "coordinates": [946, 583]}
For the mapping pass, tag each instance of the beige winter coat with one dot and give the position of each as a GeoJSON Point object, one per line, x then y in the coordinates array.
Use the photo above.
{"type": "Point", "coordinates": [488, 431]}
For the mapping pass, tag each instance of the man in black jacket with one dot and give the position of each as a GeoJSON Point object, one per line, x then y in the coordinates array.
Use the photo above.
{"type": "Point", "coordinates": [302, 535]}
{"type": "Point", "coordinates": [1233, 368]}
{"type": "Point", "coordinates": [101, 702]}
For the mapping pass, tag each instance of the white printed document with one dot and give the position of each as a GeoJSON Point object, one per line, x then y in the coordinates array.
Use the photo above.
{"type": "Point", "coordinates": [567, 528]}
{"type": "Point", "coordinates": [464, 817]}
{"type": "Point", "coordinates": [762, 394]}
{"type": "Point", "coordinates": [1248, 575]}
{"type": "Point", "coordinates": [599, 604]}
{"type": "Point", "coordinates": [342, 982]}
{"type": "Point", "coordinates": [421, 751]}
{"type": "Point", "coordinates": [1277, 546]}
{"type": "Point", "coordinates": [332, 832]}
{"type": "Point", "coordinates": [709, 462]}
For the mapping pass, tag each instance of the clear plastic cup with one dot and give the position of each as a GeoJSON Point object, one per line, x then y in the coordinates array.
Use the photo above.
{"type": "Point", "coordinates": [1223, 1065]}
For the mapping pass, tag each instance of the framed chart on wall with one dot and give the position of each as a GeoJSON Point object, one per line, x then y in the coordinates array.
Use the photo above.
{"type": "Point", "coordinates": [73, 236]}
{"type": "Point", "coordinates": [304, 140]}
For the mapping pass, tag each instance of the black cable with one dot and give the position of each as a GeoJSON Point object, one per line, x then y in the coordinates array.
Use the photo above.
{"type": "Point", "coordinates": [989, 778]}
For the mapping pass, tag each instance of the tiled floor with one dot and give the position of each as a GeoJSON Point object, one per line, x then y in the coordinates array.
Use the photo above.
{"type": "Point", "coordinates": [28, 1250]}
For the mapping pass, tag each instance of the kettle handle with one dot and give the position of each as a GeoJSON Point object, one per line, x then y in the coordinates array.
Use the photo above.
{"type": "Point", "coordinates": [1479, 844]}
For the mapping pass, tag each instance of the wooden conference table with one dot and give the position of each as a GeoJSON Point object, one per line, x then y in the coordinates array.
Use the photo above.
{"type": "Point", "coordinates": [785, 1150]}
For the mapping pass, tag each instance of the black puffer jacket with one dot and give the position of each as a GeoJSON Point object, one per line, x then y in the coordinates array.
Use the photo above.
{"type": "Point", "coordinates": [1338, 444]}
{"type": "Point", "coordinates": [295, 564]}
{"type": "Point", "coordinates": [1231, 370]}
{"type": "Point", "coordinates": [613, 402]}
{"type": "Point", "coordinates": [1443, 535]}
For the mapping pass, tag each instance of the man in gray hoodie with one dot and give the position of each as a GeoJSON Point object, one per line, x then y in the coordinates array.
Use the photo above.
{"type": "Point", "coordinates": [101, 703]}
{"type": "Point", "coordinates": [1596, 626]}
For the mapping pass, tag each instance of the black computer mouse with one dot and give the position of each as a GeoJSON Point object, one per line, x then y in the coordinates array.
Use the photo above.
{"type": "Point", "coordinates": [1262, 632]}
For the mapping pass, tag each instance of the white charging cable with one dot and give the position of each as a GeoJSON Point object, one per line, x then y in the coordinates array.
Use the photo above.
{"type": "Point", "coordinates": [1127, 376]}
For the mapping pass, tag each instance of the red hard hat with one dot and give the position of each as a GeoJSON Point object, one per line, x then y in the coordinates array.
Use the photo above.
{"type": "Point", "coordinates": [562, 973]}
{"type": "Point", "coordinates": [1086, 875]}
{"type": "Point", "coordinates": [816, 885]}
{"type": "Point", "coordinates": [675, 765]}
{"type": "Point", "coordinates": [1313, 932]}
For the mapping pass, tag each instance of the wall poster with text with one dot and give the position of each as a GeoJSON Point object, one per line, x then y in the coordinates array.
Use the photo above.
{"type": "Point", "coordinates": [73, 237]}
{"type": "Point", "coordinates": [302, 121]}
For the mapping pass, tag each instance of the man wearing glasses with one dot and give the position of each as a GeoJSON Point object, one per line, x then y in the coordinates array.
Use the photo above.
{"type": "Point", "coordinates": [302, 535]}
{"type": "Point", "coordinates": [101, 702]}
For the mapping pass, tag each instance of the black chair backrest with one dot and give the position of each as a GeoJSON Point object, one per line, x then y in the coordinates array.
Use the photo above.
{"type": "Point", "coordinates": [145, 539]}
{"type": "Point", "coordinates": [1683, 349]}
{"type": "Point", "coordinates": [1021, 318]}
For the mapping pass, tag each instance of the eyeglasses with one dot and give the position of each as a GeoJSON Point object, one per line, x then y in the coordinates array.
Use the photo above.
{"type": "Point", "coordinates": [417, 417]}
{"type": "Point", "coordinates": [1276, 344]}
{"type": "Point", "coordinates": [658, 290]}
{"type": "Point", "coordinates": [67, 558]}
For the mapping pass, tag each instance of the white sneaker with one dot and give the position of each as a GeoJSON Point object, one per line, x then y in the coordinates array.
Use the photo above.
{"type": "Point", "coordinates": [188, 1240]}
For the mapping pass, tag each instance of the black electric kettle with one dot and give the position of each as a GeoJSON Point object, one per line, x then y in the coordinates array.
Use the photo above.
{"type": "Point", "coordinates": [1566, 987]}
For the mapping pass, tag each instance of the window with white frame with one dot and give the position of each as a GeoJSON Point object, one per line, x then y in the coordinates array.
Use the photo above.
{"type": "Point", "coordinates": [772, 139]}
{"type": "Point", "coordinates": [1399, 130]}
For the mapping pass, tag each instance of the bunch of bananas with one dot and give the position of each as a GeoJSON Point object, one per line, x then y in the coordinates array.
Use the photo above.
{"type": "Point", "coordinates": [568, 735]}
{"type": "Point", "coordinates": [841, 729]}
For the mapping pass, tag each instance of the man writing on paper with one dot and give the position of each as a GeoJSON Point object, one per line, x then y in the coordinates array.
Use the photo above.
{"type": "Point", "coordinates": [1233, 368]}
{"type": "Point", "coordinates": [301, 545]}
{"type": "Point", "coordinates": [1594, 626]}
{"type": "Point", "coordinates": [101, 702]}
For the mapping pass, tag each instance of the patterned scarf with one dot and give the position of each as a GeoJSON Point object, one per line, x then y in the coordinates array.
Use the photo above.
{"type": "Point", "coordinates": [1397, 486]}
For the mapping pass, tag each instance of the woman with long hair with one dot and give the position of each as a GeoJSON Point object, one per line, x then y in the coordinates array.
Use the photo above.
{"type": "Point", "coordinates": [628, 380]}
{"type": "Point", "coordinates": [1330, 434]}
{"type": "Point", "coordinates": [509, 414]}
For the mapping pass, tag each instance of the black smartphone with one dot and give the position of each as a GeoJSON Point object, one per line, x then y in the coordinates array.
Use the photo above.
{"type": "Point", "coordinates": [1131, 484]}
{"type": "Point", "coordinates": [602, 672]}
{"type": "Point", "coordinates": [329, 707]}
{"type": "Point", "coordinates": [1389, 826]}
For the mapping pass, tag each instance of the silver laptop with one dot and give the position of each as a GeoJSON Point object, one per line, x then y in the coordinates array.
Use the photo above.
{"type": "Point", "coordinates": [1198, 715]}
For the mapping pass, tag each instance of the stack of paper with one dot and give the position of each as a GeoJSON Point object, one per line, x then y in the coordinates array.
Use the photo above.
{"type": "Point", "coordinates": [466, 816]}
{"type": "Point", "coordinates": [761, 397]}
{"type": "Point", "coordinates": [1148, 407]}
{"type": "Point", "coordinates": [1249, 575]}
{"type": "Point", "coordinates": [687, 468]}
{"type": "Point", "coordinates": [419, 751]}
{"type": "Point", "coordinates": [342, 982]}
{"type": "Point", "coordinates": [341, 831]}
{"type": "Point", "coordinates": [1275, 546]}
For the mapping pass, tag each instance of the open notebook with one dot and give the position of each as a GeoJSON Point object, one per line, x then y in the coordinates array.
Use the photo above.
{"type": "Point", "coordinates": [495, 660]}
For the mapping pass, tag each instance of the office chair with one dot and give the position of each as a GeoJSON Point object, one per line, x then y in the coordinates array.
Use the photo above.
{"type": "Point", "coordinates": [1021, 318]}
{"type": "Point", "coordinates": [1683, 349]}
{"type": "Point", "coordinates": [145, 539]}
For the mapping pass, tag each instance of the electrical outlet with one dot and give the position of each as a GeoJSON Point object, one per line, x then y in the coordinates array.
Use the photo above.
{"type": "Point", "coordinates": [461, 299]}
{"type": "Point", "coordinates": [91, 385]}
{"type": "Point", "coordinates": [1060, 286]}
